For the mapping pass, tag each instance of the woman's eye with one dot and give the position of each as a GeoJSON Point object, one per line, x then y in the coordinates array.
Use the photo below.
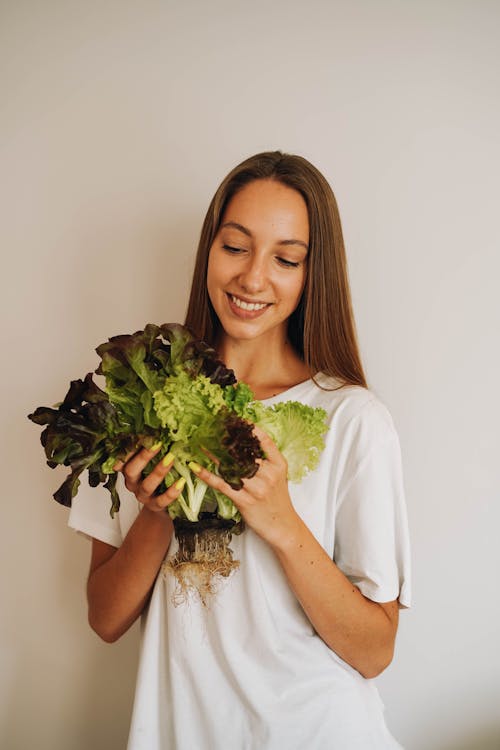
{"type": "Point", "coordinates": [281, 261]}
{"type": "Point", "coordinates": [288, 263]}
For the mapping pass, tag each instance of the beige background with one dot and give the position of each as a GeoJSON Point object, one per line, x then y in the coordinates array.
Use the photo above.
{"type": "Point", "coordinates": [118, 120]}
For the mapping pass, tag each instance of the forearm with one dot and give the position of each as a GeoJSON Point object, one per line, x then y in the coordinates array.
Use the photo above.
{"type": "Point", "coordinates": [360, 631]}
{"type": "Point", "coordinates": [120, 582]}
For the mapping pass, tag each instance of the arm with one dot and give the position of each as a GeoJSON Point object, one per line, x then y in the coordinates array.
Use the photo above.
{"type": "Point", "coordinates": [120, 580]}
{"type": "Point", "coordinates": [359, 630]}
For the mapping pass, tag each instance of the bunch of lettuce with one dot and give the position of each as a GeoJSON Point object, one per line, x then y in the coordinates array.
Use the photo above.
{"type": "Point", "coordinates": [161, 385]}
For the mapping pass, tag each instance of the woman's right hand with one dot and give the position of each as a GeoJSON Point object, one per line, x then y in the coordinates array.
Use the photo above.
{"type": "Point", "coordinates": [121, 580]}
{"type": "Point", "coordinates": [144, 489]}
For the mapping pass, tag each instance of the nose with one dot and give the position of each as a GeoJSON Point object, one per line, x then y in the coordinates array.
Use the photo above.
{"type": "Point", "coordinates": [253, 277]}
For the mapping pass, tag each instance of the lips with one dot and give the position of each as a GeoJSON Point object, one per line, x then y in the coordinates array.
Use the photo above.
{"type": "Point", "coordinates": [244, 305]}
{"type": "Point", "coordinates": [246, 308]}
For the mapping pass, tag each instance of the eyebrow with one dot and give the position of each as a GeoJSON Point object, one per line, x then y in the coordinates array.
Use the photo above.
{"type": "Point", "coordinates": [248, 233]}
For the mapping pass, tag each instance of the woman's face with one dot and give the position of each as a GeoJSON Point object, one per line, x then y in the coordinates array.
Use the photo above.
{"type": "Point", "coordinates": [258, 261]}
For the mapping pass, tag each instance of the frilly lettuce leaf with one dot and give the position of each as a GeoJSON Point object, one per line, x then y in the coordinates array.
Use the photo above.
{"type": "Point", "coordinates": [83, 432]}
{"type": "Point", "coordinates": [162, 385]}
{"type": "Point", "coordinates": [298, 431]}
{"type": "Point", "coordinates": [185, 403]}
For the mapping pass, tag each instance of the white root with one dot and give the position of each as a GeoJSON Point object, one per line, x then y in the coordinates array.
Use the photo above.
{"type": "Point", "coordinates": [202, 560]}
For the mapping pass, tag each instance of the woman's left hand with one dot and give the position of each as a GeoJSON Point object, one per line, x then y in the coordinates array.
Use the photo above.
{"type": "Point", "coordinates": [360, 631]}
{"type": "Point", "coordinates": [264, 500]}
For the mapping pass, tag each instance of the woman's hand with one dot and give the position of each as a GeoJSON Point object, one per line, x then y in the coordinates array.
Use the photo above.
{"type": "Point", "coordinates": [120, 580]}
{"type": "Point", "coordinates": [264, 500]}
{"type": "Point", "coordinates": [360, 631]}
{"type": "Point", "coordinates": [144, 489]}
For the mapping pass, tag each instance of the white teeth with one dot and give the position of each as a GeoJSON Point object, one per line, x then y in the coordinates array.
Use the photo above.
{"type": "Point", "coordinates": [248, 305]}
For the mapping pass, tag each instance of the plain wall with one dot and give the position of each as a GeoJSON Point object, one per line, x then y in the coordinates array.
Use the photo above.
{"type": "Point", "coordinates": [118, 120]}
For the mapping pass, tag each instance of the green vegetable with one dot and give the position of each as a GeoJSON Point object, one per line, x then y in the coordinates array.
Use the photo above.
{"type": "Point", "coordinates": [161, 385]}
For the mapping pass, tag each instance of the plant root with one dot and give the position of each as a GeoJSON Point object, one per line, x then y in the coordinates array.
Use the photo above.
{"type": "Point", "coordinates": [203, 559]}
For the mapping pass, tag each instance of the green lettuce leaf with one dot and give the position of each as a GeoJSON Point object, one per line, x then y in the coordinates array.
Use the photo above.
{"type": "Point", "coordinates": [298, 431]}
{"type": "Point", "coordinates": [162, 385]}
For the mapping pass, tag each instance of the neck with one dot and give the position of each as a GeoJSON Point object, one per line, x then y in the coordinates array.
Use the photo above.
{"type": "Point", "coordinates": [268, 370]}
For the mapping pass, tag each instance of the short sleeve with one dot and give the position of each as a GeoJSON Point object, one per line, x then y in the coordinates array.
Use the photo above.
{"type": "Point", "coordinates": [371, 529]}
{"type": "Point", "coordinates": [90, 514]}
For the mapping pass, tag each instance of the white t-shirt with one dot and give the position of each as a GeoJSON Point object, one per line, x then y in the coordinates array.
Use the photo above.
{"type": "Point", "coordinates": [249, 671]}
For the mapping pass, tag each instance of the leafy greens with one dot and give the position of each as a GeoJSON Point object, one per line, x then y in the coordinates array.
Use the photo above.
{"type": "Point", "coordinates": [161, 385]}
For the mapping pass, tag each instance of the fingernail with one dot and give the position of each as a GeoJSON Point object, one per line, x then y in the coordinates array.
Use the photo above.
{"type": "Point", "coordinates": [166, 460]}
{"type": "Point", "coordinates": [156, 446]}
{"type": "Point", "coordinates": [180, 483]}
{"type": "Point", "coordinates": [195, 468]}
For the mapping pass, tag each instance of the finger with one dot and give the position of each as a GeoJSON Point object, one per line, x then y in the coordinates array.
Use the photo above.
{"type": "Point", "coordinates": [156, 477]}
{"type": "Point", "coordinates": [160, 502]}
{"type": "Point", "coordinates": [215, 481]}
{"type": "Point", "coordinates": [211, 456]}
{"type": "Point", "coordinates": [268, 446]}
{"type": "Point", "coordinates": [121, 463]}
{"type": "Point", "coordinates": [262, 435]}
{"type": "Point", "coordinates": [256, 487]}
{"type": "Point", "coordinates": [134, 466]}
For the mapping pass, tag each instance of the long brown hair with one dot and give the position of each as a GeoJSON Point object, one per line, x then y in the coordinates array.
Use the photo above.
{"type": "Point", "coordinates": [322, 328]}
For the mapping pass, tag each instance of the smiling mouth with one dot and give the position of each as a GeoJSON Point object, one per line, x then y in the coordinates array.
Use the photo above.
{"type": "Point", "coordinates": [249, 306]}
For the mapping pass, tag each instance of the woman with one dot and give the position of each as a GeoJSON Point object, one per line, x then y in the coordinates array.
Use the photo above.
{"type": "Point", "coordinates": [285, 654]}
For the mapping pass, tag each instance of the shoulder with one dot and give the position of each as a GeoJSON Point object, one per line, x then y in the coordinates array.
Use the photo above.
{"type": "Point", "coordinates": [349, 404]}
{"type": "Point", "coordinates": [355, 415]}
{"type": "Point", "coordinates": [90, 513]}
{"type": "Point", "coordinates": [360, 425]}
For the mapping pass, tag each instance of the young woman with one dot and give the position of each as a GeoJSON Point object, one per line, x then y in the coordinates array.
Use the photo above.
{"type": "Point", "coordinates": [284, 656]}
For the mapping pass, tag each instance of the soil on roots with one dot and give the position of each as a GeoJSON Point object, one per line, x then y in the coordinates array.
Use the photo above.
{"type": "Point", "coordinates": [203, 559]}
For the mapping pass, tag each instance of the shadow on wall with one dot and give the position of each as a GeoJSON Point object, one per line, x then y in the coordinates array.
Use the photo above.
{"type": "Point", "coordinates": [483, 739]}
{"type": "Point", "coordinates": [98, 715]}
{"type": "Point", "coordinates": [61, 686]}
